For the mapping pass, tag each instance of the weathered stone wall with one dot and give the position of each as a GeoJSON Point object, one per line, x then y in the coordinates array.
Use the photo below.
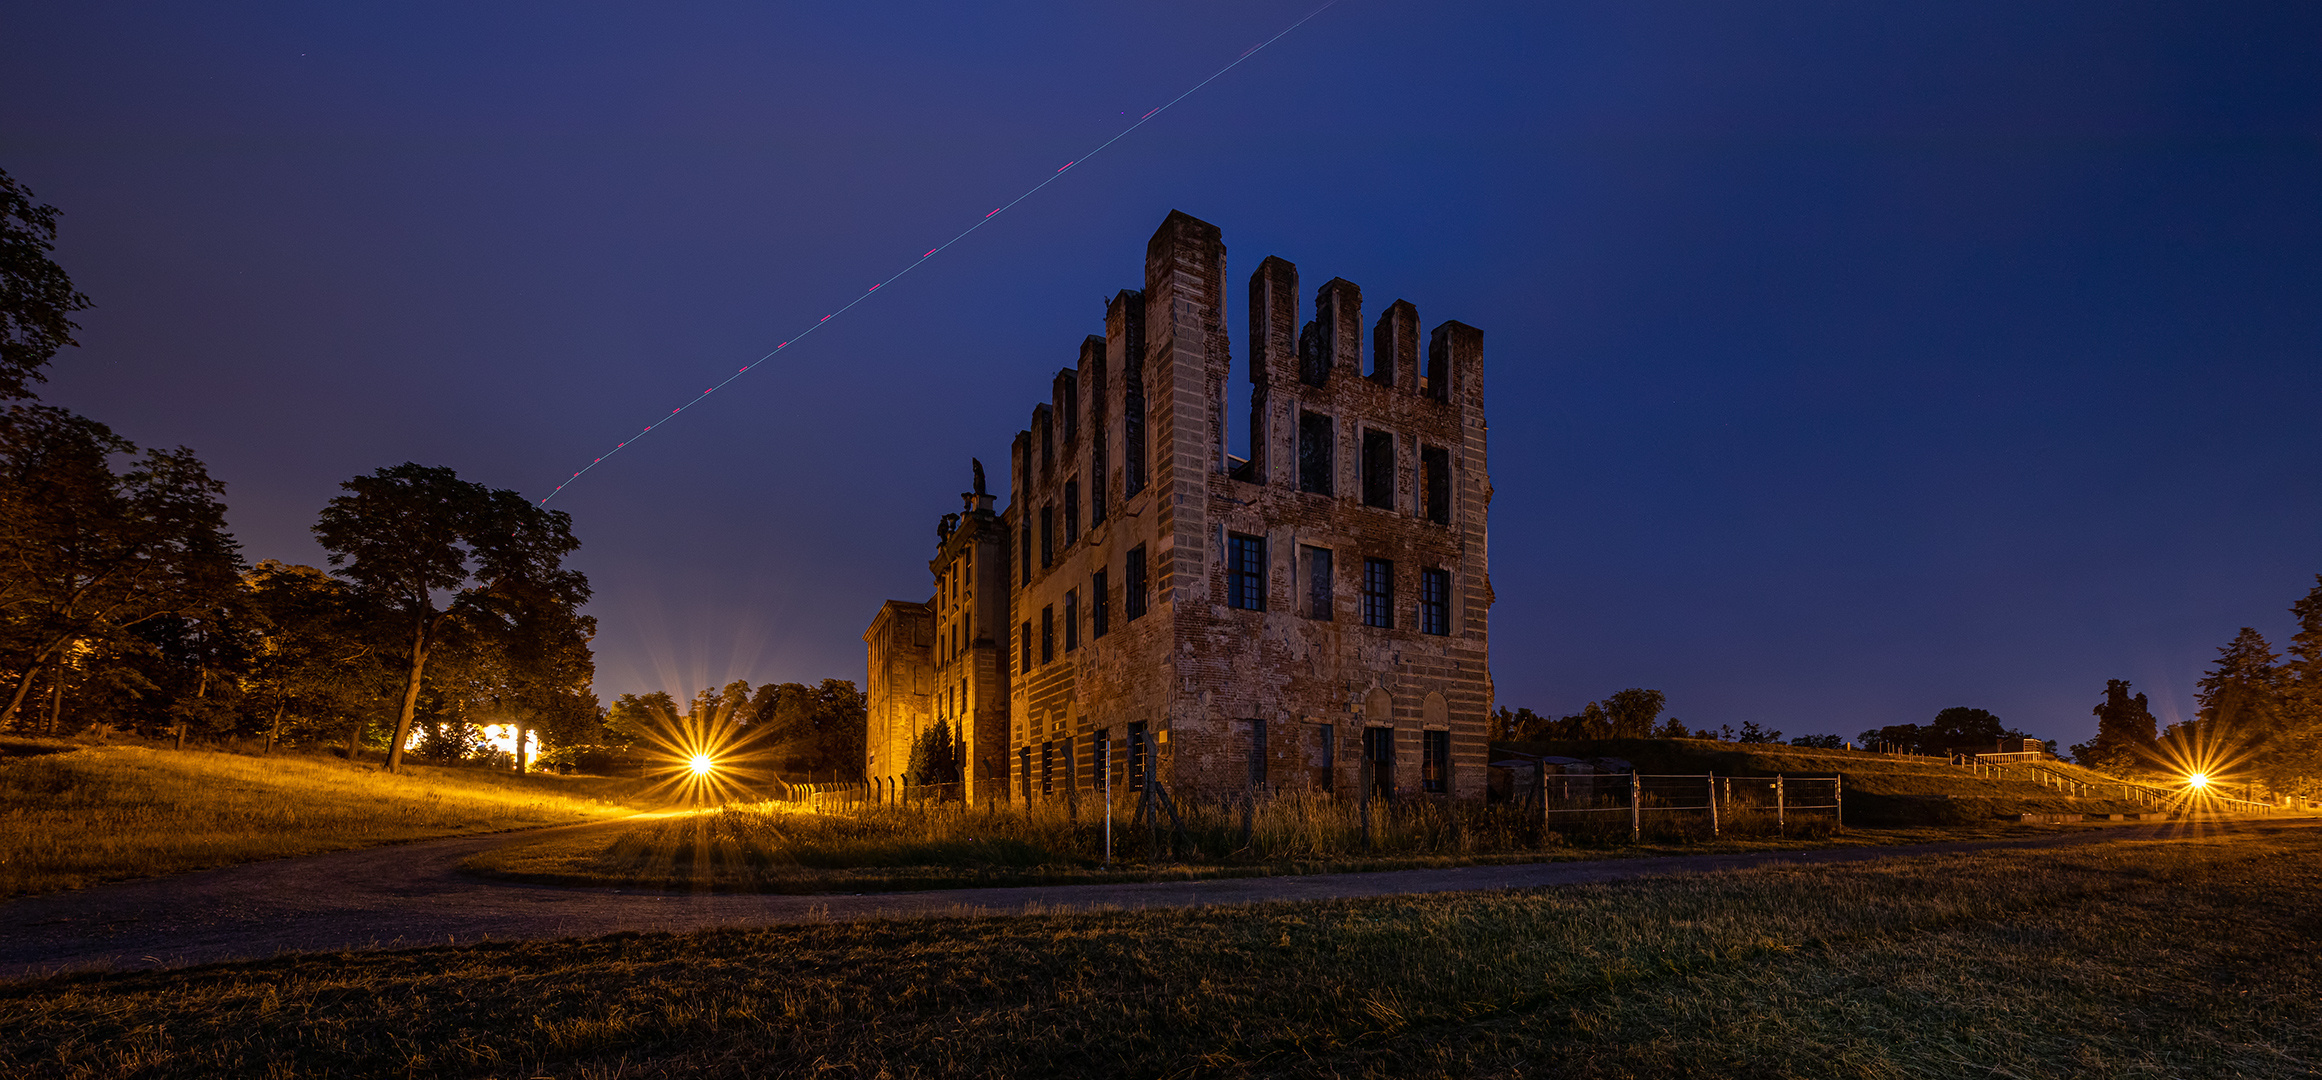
{"type": "Point", "coordinates": [1292, 683]}
{"type": "Point", "coordinates": [898, 678]}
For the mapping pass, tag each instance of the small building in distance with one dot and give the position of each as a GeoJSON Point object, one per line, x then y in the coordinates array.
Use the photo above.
{"type": "Point", "coordinates": [1259, 623]}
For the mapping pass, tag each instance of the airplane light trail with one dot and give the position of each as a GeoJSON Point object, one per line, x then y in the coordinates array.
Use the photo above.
{"type": "Point", "coordinates": [939, 248]}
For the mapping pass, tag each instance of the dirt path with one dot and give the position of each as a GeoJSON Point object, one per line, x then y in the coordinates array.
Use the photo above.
{"type": "Point", "coordinates": [413, 894]}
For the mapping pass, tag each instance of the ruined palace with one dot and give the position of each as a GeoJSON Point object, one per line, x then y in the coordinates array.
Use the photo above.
{"type": "Point", "coordinates": [1151, 604]}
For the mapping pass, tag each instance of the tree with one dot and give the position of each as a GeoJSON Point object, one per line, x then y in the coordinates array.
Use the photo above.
{"type": "Point", "coordinates": [1752, 733]}
{"type": "Point", "coordinates": [37, 299]}
{"type": "Point", "coordinates": [2125, 731]}
{"type": "Point", "coordinates": [934, 757]}
{"type": "Point", "coordinates": [1819, 742]}
{"type": "Point", "coordinates": [813, 730]}
{"type": "Point", "coordinates": [91, 554]}
{"type": "Point", "coordinates": [1630, 713]}
{"type": "Point", "coordinates": [2241, 692]}
{"type": "Point", "coordinates": [313, 666]}
{"type": "Point", "coordinates": [407, 532]}
{"type": "Point", "coordinates": [1963, 728]}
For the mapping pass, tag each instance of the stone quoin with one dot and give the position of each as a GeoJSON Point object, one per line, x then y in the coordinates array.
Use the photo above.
{"type": "Point", "coordinates": [1269, 621]}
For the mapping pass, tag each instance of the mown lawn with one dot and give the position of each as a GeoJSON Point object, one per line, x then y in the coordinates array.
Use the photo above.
{"type": "Point", "coordinates": [2185, 958]}
{"type": "Point", "coordinates": [72, 816]}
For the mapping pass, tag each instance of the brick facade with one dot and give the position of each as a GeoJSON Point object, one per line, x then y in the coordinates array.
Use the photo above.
{"type": "Point", "coordinates": [1333, 584]}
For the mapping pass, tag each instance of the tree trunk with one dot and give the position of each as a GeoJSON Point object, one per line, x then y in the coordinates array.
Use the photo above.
{"type": "Point", "coordinates": [24, 683]}
{"type": "Point", "coordinates": [275, 732]}
{"type": "Point", "coordinates": [355, 740]}
{"type": "Point", "coordinates": [522, 733]}
{"type": "Point", "coordinates": [56, 698]}
{"type": "Point", "coordinates": [410, 695]}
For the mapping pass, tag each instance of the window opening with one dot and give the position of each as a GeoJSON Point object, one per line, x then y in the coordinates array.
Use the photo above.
{"type": "Point", "coordinates": [1379, 749]}
{"type": "Point", "coordinates": [1314, 453]}
{"type": "Point", "coordinates": [1258, 753]}
{"type": "Point", "coordinates": [1434, 601]}
{"type": "Point", "coordinates": [1098, 609]}
{"type": "Point", "coordinates": [1435, 483]}
{"type": "Point", "coordinates": [1137, 763]}
{"type": "Point", "coordinates": [1245, 572]}
{"type": "Point", "coordinates": [1047, 536]}
{"type": "Point", "coordinates": [1135, 586]}
{"type": "Point", "coordinates": [1071, 619]}
{"type": "Point", "coordinates": [1378, 469]}
{"type": "Point", "coordinates": [1434, 761]}
{"type": "Point", "coordinates": [1318, 591]}
{"type": "Point", "coordinates": [1379, 593]}
{"type": "Point", "coordinates": [1071, 511]}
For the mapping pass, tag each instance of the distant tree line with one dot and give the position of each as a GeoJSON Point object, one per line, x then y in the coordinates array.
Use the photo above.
{"type": "Point", "coordinates": [2258, 715]}
{"type": "Point", "coordinates": [803, 733]}
{"type": "Point", "coordinates": [125, 604]}
{"type": "Point", "coordinates": [1634, 713]}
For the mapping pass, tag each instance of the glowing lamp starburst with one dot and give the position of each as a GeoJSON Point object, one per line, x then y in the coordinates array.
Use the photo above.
{"type": "Point", "coordinates": [701, 764]}
{"type": "Point", "coordinates": [2197, 781]}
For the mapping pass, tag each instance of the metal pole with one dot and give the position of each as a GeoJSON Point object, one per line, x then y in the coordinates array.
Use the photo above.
{"type": "Point", "coordinates": [1713, 804]}
{"type": "Point", "coordinates": [1636, 808]}
{"type": "Point", "coordinates": [1105, 761]}
{"type": "Point", "coordinates": [1838, 799]}
{"type": "Point", "coordinates": [1781, 811]}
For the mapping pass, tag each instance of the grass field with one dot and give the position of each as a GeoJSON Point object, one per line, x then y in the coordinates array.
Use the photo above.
{"type": "Point", "coordinates": [2160, 959]}
{"type": "Point", "coordinates": [770, 848]}
{"type": "Point", "coordinates": [74, 815]}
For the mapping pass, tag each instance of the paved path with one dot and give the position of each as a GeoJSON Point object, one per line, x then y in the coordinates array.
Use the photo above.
{"type": "Point", "coordinates": [413, 894]}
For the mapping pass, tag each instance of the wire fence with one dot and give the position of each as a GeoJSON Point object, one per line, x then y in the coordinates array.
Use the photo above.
{"type": "Point", "coordinates": [1722, 801]}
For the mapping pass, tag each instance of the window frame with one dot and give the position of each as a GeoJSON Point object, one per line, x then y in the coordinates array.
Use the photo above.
{"type": "Point", "coordinates": [1435, 601]}
{"type": "Point", "coordinates": [1379, 593]}
{"type": "Point", "coordinates": [1245, 571]}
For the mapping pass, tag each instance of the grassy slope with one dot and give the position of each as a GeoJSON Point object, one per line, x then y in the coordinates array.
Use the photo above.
{"type": "Point", "coordinates": [2104, 960]}
{"type": "Point", "coordinates": [72, 816]}
{"type": "Point", "coordinates": [1880, 790]}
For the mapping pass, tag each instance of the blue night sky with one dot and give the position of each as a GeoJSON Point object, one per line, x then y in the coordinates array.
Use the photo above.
{"type": "Point", "coordinates": [1844, 361]}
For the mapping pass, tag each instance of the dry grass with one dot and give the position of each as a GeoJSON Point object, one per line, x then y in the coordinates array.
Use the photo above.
{"type": "Point", "coordinates": [2132, 959]}
{"type": "Point", "coordinates": [72, 816]}
{"type": "Point", "coordinates": [773, 847]}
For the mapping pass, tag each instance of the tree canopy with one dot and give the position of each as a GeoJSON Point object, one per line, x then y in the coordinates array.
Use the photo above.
{"type": "Point", "coordinates": [37, 299]}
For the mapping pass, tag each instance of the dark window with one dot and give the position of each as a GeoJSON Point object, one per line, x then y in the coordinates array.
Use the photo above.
{"type": "Point", "coordinates": [1024, 770]}
{"type": "Point", "coordinates": [1071, 619]}
{"type": "Point", "coordinates": [1257, 753]}
{"type": "Point", "coordinates": [1047, 537]}
{"type": "Point", "coordinates": [1379, 750]}
{"type": "Point", "coordinates": [1434, 380]}
{"type": "Point", "coordinates": [1047, 633]}
{"type": "Point", "coordinates": [1313, 362]}
{"type": "Point", "coordinates": [1434, 601]}
{"type": "Point", "coordinates": [1378, 469]}
{"type": "Point", "coordinates": [1246, 572]}
{"type": "Point", "coordinates": [1047, 768]}
{"type": "Point", "coordinates": [1133, 420]}
{"type": "Point", "coordinates": [1314, 456]}
{"type": "Point", "coordinates": [1098, 482]}
{"type": "Point", "coordinates": [1071, 511]}
{"type": "Point", "coordinates": [1435, 483]}
{"type": "Point", "coordinates": [1027, 578]}
{"type": "Point", "coordinates": [1434, 760]}
{"type": "Point", "coordinates": [1099, 619]}
{"type": "Point", "coordinates": [1329, 733]}
{"type": "Point", "coordinates": [1133, 588]}
{"type": "Point", "coordinates": [1318, 590]}
{"type": "Point", "coordinates": [1137, 737]}
{"type": "Point", "coordinates": [1101, 755]}
{"type": "Point", "coordinates": [1026, 650]}
{"type": "Point", "coordinates": [1378, 592]}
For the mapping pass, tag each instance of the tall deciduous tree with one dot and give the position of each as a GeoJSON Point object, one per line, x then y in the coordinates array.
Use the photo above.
{"type": "Point", "coordinates": [36, 298]}
{"type": "Point", "coordinates": [408, 533]}
{"type": "Point", "coordinates": [88, 554]}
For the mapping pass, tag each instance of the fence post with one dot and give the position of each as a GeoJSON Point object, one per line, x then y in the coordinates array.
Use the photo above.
{"type": "Point", "coordinates": [1363, 776]}
{"type": "Point", "coordinates": [1713, 804]}
{"type": "Point", "coordinates": [1838, 799]}
{"type": "Point", "coordinates": [1636, 807]}
{"type": "Point", "coordinates": [1781, 809]}
{"type": "Point", "coordinates": [1106, 763]}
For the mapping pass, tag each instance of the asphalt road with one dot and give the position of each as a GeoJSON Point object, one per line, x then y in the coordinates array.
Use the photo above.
{"type": "Point", "coordinates": [413, 894]}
